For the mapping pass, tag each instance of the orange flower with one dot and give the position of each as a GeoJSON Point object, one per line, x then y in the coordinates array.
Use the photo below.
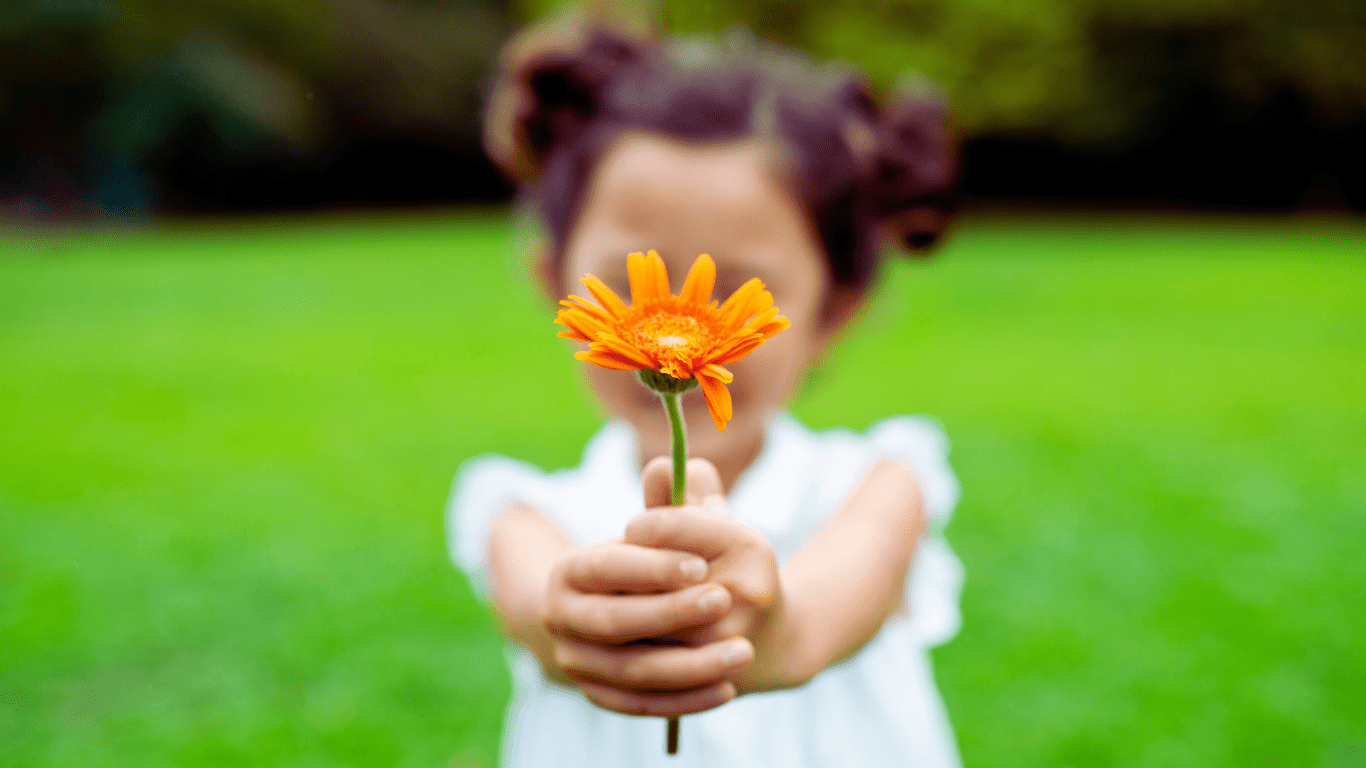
{"type": "Point", "coordinates": [684, 337]}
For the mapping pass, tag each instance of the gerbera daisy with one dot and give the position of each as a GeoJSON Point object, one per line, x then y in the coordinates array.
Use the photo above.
{"type": "Point", "coordinates": [676, 342]}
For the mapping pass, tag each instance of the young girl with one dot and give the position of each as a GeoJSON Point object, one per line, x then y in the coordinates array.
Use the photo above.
{"type": "Point", "coordinates": [787, 608]}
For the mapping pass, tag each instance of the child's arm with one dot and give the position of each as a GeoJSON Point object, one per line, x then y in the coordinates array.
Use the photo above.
{"type": "Point", "coordinates": [850, 578]}
{"type": "Point", "coordinates": [823, 605]}
{"type": "Point", "coordinates": [567, 604]}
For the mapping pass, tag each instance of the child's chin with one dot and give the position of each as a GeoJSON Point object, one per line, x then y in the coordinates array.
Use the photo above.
{"type": "Point", "coordinates": [692, 399]}
{"type": "Point", "coordinates": [695, 404]}
{"type": "Point", "coordinates": [648, 410]}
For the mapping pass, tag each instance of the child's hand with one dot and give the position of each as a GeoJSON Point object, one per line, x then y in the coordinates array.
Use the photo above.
{"type": "Point", "coordinates": [602, 605]}
{"type": "Point", "coordinates": [739, 558]}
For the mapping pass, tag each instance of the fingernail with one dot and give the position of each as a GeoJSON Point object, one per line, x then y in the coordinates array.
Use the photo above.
{"type": "Point", "coordinates": [735, 652]}
{"type": "Point", "coordinates": [712, 600]}
{"type": "Point", "coordinates": [693, 570]}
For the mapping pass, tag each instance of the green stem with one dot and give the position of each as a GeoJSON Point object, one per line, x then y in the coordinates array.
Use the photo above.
{"type": "Point", "coordinates": [680, 446]}
{"type": "Point", "coordinates": [680, 483]}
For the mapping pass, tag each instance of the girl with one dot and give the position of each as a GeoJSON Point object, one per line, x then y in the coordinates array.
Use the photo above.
{"type": "Point", "coordinates": [788, 607]}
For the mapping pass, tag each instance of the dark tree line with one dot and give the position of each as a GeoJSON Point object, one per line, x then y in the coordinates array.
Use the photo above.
{"type": "Point", "coordinates": [142, 105]}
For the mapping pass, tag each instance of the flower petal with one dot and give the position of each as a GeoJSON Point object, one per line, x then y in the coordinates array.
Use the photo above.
{"type": "Point", "coordinates": [768, 322]}
{"type": "Point", "coordinates": [737, 346]}
{"type": "Point", "coordinates": [605, 296]}
{"type": "Point", "coordinates": [605, 360]}
{"type": "Point", "coordinates": [576, 330]}
{"type": "Point", "coordinates": [701, 279]}
{"type": "Point", "coordinates": [718, 400]}
{"type": "Point", "coordinates": [581, 322]}
{"type": "Point", "coordinates": [717, 372]}
{"type": "Point", "coordinates": [659, 272]}
{"type": "Point", "coordinates": [587, 306]}
{"type": "Point", "coordinates": [762, 318]}
{"type": "Point", "coordinates": [774, 326]}
{"type": "Point", "coordinates": [649, 280]}
{"type": "Point", "coordinates": [748, 300]}
{"type": "Point", "coordinates": [678, 368]}
{"type": "Point", "coordinates": [608, 342]}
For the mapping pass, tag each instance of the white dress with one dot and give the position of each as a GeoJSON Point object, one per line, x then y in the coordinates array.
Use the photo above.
{"type": "Point", "coordinates": [879, 707]}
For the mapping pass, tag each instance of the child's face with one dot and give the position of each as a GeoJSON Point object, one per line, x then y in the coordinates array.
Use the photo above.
{"type": "Point", "coordinates": [721, 199]}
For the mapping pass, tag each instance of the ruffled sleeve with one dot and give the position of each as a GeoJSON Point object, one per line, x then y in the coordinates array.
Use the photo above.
{"type": "Point", "coordinates": [484, 489]}
{"type": "Point", "coordinates": [934, 583]}
{"type": "Point", "coordinates": [919, 443]}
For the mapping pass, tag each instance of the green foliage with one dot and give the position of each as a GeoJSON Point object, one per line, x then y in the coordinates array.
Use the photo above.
{"type": "Point", "coordinates": [224, 452]}
{"type": "Point", "coordinates": [1081, 70]}
{"type": "Point", "coordinates": [108, 92]}
{"type": "Point", "coordinates": [147, 62]}
{"type": "Point", "coordinates": [123, 81]}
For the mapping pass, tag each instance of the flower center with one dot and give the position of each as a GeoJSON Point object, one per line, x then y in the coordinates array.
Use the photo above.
{"type": "Point", "coordinates": [675, 340]}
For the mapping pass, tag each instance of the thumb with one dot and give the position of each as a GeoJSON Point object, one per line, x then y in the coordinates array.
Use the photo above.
{"type": "Point", "coordinates": [703, 482]}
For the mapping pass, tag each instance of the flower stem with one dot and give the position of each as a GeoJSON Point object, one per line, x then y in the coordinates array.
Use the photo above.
{"type": "Point", "coordinates": [680, 446]}
{"type": "Point", "coordinates": [680, 483]}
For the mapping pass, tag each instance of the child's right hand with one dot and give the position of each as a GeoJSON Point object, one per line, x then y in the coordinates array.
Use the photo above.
{"type": "Point", "coordinates": [610, 599]}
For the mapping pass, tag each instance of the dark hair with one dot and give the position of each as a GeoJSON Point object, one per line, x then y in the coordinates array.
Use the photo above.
{"type": "Point", "coordinates": [862, 169]}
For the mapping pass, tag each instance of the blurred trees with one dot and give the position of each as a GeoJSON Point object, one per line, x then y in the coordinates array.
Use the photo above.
{"type": "Point", "coordinates": [1086, 70]}
{"type": "Point", "coordinates": [1228, 101]}
{"type": "Point", "coordinates": [123, 105]}
{"type": "Point", "coordinates": [236, 102]}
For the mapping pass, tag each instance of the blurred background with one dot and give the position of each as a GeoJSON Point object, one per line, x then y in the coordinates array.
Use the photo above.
{"type": "Point", "coordinates": [148, 106]}
{"type": "Point", "coordinates": [261, 293]}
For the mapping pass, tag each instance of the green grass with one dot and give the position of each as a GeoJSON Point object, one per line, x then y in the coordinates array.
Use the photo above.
{"type": "Point", "coordinates": [225, 449]}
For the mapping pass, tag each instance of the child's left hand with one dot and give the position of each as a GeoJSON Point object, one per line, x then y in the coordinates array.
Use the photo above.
{"type": "Point", "coordinates": [739, 558]}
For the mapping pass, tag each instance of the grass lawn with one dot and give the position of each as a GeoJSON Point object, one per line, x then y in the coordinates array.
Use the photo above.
{"type": "Point", "coordinates": [225, 449]}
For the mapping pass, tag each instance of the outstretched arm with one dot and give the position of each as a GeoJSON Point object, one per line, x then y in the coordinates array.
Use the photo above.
{"type": "Point", "coordinates": [849, 579]}
{"type": "Point", "coordinates": [522, 552]}
{"type": "Point", "coordinates": [584, 612]}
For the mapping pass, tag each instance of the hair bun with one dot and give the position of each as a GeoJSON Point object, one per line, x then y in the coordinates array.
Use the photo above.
{"type": "Point", "coordinates": [917, 169]}
{"type": "Point", "coordinates": [549, 86]}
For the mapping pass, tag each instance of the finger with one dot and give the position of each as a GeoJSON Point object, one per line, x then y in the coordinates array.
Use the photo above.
{"type": "Point", "coordinates": [703, 481]}
{"type": "Point", "coordinates": [688, 529]}
{"type": "Point", "coordinates": [633, 568]}
{"type": "Point", "coordinates": [659, 704]}
{"type": "Point", "coordinates": [657, 478]}
{"type": "Point", "coordinates": [733, 624]}
{"type": "Point", "coordinates": [620, 619]}
{"type": "Point", "coordinates": [654, 668]}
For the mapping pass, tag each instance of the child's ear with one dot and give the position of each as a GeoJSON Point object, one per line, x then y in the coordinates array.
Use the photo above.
{"type": "Point", "coordinates": [842, 304]}
{"type": "Point", "coordinates": [548, 273]}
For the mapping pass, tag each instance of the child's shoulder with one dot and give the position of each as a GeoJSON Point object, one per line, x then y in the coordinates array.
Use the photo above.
{"type": "Point", "coordinates": [609, 450]}
{"type": "Point", "coordinates": [918, 434]}
{"type": "Point", "coordinates": [597, 495]}
{"type": "Point", "coordinates": [843, 456]}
